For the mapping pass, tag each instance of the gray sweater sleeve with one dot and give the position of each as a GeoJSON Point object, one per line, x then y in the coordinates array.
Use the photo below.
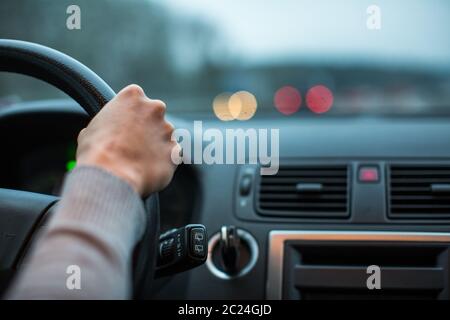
{"type": "Point", "coordinates": [85, 252]}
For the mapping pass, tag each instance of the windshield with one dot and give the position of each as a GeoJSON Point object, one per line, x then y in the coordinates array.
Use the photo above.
{"type": "Point", "coordinates": [388, 58]}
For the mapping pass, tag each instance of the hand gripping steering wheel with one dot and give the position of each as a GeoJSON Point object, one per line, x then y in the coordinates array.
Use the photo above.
{"type": "Point", "coordinates": [21, 213]}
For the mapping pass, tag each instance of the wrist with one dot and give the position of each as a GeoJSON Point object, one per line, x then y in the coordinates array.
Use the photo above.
{"type": "Point", "coordinates": [117, 168]}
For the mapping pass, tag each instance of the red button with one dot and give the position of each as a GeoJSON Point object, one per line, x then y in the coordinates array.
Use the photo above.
{"type": "Point", "coordinates": [368, 174]}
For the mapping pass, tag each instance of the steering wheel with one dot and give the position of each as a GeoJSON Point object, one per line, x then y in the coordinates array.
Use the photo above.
{"type": "Point", "coordinates": [22, 213]}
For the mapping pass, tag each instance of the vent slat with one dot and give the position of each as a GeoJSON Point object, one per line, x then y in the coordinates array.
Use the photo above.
{"type": "Point", "coordinates": [422, 176]}
{"type": "Point", "coordinates": [420, 206]}
{"type": "Point", "coordinates": [307, 173]}
{"type": "Point", "coordinates": [299, 197]}
{"type": "Point", "coordinates": [411, 194]}
{"type": "Point", "coordinates": [412, 180]}
{"type": "Point", "coordinates": [301, 205]}
{"type": "Point", "coordinates": [284, 180]}
{"type": "Point", "coordinates": [419, 197]}
{"type": "Point", "coordinates": [420, 169]}
{"type": "Point", "coordinates": [410, 189]}
{"type": "Point", "coordinates": [278, 195]}
{"type": "Point", "coordinates": [292, 188]}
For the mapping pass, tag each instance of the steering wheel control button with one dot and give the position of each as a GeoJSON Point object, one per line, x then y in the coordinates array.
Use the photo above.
{"type": "Point", "coordinates": [198, 242]}
{"type": "Point", "coordinates": [167, 249]}
{"type": "Point", "coordinates": [368, 174]}
{"type": "Point", "coordinates": [182, 249]}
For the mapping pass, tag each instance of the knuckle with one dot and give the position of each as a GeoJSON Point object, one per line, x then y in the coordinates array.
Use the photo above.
{"type": "Point", "coordinates": [149, 108]}
{"type": "Point", "coordinates": [134, 90]}
{"type": "Point", "coordinates": [159, 106]}
{"type": "Point", "coordinates": [81, 134]}
{"type": "Point", "coordinates": [169, 127]}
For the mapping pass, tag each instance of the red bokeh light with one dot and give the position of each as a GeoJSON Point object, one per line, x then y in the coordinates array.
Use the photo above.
{"type": "Point", "coordinates": [287, 100]}
{"type": "Point", "coordinates": [319, 99]}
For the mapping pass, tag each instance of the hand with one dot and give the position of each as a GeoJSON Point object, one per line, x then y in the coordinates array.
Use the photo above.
{"type": "Point", "coordinates": [130, 138]}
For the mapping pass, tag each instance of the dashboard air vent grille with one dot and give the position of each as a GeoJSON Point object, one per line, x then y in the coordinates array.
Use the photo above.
{"type": "Point", "coordinates": [419, 191]}
{"type": "Point", "coordinates": [305, 191]}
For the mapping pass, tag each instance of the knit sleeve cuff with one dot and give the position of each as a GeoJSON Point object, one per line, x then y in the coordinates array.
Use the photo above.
{"type": "Point", "coordinates": [100, 204]}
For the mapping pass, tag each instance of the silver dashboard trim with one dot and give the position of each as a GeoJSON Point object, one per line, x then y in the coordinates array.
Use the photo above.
{"type": "Point", "coordinates": [254, 254]}
{"type": "Point", "coordinates": [277, 238]}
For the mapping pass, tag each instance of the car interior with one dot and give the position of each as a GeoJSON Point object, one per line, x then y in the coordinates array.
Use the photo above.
{"type": "Point", "coordinates": [355, 99]}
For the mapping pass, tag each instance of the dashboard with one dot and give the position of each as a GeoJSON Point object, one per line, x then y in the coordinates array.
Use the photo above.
{"type": "Point", "coordinates": [382, 199]}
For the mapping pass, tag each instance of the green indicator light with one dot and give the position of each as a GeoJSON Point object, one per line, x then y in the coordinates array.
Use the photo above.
{"type": "Point", "coordinates": [70, 165]}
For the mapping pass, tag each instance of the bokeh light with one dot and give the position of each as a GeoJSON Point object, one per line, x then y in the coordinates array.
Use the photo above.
{"type": "Point", "coordinates": [235, 105]}
{"type": "Point", "coordinates": [242, 105]}
{"type": "Point", "coordinates": [319, 99]}
{"type": "Point", "coordinates": [287, 100]}
{"type": "Point", "coordinates": [220, 107]}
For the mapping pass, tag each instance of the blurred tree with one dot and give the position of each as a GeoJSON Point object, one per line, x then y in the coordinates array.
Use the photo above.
{"type": "Point", "coordinates": [124, 41]}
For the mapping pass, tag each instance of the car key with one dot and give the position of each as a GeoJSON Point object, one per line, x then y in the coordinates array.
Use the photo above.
{"type": "Point", "coordinates": [181, 249]}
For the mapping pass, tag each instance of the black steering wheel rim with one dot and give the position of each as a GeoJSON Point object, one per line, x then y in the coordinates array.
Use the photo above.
{"type": "Point", "coordinates": [58, 69]}
{"type": "Point", "coordinates": [92, 93]}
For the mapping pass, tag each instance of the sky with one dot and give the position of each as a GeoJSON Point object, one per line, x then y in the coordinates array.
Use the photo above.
{"type": "Point", "coordinates": [412, 31]}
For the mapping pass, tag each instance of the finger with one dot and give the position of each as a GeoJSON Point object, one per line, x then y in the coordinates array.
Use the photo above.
{"type": "Point", "coordinates": [132, 90]}
{"type": "Point", "coordinates": [169, 130]}
{"type": "Point", "coordinates": [81, 134]}
{"type": "Point", "coordinates": [176, 153]}
{"type": "Point", "coordinates": [159, 107]}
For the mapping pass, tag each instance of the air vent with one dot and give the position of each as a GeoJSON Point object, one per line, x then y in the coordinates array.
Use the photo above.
{"type": "Point", "coordinates": [419, 191]}
{"type": "Point", "coordinates": [305, 191]}
{"type": "Point", "coordinates": [338, 271]}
